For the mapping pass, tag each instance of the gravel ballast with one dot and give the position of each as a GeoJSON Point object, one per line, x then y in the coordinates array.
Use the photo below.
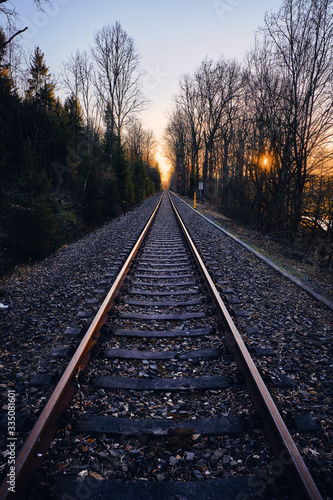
{"type": "Point", "coordinates": [287, 331]}
{"type": "Point", "coordinates": [271, 312]}
{"type": "Point", "coordinates": [46, 304]}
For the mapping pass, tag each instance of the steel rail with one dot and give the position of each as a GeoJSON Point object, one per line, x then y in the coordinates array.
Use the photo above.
{"type": "Point", "coordinates": [36, 445]}
{"type": "Point", "coordinates": [257, 253]}
{"type": "Point", "coordinates": [282, 443]}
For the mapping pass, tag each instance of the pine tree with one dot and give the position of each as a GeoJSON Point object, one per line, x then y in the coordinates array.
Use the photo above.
{"type": "Point", "coordinates": [41, 88]}
{"type": "Point", "coordinates": [74, 118]}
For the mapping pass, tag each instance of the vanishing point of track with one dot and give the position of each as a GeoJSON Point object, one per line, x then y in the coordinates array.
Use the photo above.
{"type": "Point", "coordinates": [164, 271]}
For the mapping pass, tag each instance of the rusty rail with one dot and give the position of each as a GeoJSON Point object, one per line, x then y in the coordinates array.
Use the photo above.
{"type": "Point", "coordinates": [32, 453]}
{"type": "Point", "coordinates": [37, 443]}
{"type": "Point", "coordinates": [282, 443]}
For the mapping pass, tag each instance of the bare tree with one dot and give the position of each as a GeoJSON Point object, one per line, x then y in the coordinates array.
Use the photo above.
{"type": "Point", "coordinates": [140, 143]}
{"type": "Point", "coordinates": [270, 159]}
{"type": "Point", "coordinates": [300, 38]}
{"type": "Point", "coordinates": [218, 85]}
{"type": "Point", "coordinates": [11, 12]}
{"type": "Point", "coordinates": [206, 107]}
{"type": "Point", "coordinates": [266, 130]}
{"type": "Point", "coordinates": [191, 104]}
{"type": "Point", "coordinates": [78, 76]}
{"type": "Point", "coordinates": [118, 76]}
{"type": "Point", "coordinates": [7, 9]}
{"type": "Point", "coordinates": [177, 147]}
{"type": "Point", "coordinates": [233, 80]}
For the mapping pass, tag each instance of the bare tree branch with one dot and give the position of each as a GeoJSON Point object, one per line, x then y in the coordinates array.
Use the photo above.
{"type": "Point", "coordinates": [119, 75]}
{"type": "Point", "coordinates": [11, 13]}
{"type": "Point", "coordinates": [13, 36]}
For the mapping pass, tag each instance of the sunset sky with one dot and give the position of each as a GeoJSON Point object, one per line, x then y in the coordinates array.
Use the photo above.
{"type": "Point", "coordinates": [172, 37]}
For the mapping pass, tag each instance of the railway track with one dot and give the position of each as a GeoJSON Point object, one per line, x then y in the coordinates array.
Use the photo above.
{"type": "Point", "coordinates": [168, 381]}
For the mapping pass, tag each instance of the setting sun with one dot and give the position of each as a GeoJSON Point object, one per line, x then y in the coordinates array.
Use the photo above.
{"type": "Point", "coordinates": [165, 169]}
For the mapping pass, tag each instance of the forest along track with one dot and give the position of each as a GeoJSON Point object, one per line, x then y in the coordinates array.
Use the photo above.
{"type": "Point", "coordinates": [161, 410]}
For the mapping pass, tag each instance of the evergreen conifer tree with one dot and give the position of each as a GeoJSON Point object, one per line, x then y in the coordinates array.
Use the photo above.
{"type": "Point", "coordinates": [41, 88]}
